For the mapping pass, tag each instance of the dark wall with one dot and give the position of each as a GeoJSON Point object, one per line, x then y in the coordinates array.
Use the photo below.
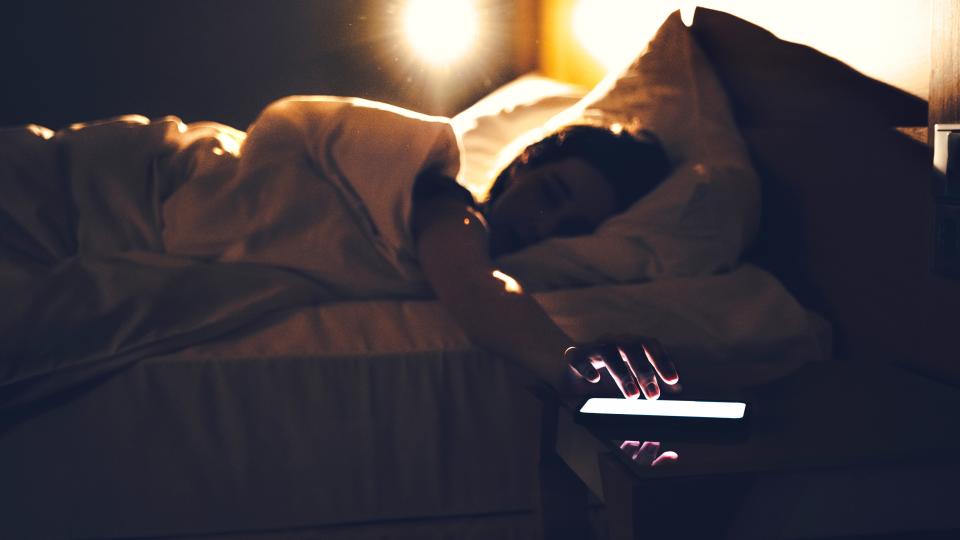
{"type": "Point", "coordinates": [223, 60]}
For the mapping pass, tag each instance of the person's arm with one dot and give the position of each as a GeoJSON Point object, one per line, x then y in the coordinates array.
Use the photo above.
{"type": "Point", "coordinates": [497, 315]}
{"type": "Point", "coordinates": [490, 307]}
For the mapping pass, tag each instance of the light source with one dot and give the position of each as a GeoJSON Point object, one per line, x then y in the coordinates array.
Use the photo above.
{"type": "Point", "coordinates": [614, 31]}
{"type": "Point", "coordinates": [440, 31]}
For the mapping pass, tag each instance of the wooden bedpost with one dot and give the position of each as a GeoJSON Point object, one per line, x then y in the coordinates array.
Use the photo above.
{"type": "Point", "coordinates": [945, 64]}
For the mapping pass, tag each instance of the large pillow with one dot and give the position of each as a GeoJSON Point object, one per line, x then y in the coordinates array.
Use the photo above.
{"type": "Point", "coordinates": [699, 220]}
{"type": "Point", "coordinates": [792, 102]}
{"type": "Point", "coordinates": [487, 127]}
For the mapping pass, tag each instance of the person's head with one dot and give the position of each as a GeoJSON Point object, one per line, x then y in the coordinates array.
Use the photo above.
{"type": "Point", "coordinates": [569, 182]}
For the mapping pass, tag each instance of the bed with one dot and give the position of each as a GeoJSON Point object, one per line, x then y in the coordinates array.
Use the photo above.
{"type": "Point", "coordinates": [328, 419]}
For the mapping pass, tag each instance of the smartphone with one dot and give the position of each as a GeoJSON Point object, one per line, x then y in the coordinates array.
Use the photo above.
{"type": "Point", "coordinates": [666, 419]}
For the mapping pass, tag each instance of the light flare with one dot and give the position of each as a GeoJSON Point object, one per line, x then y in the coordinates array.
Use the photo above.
{"type": "Point", "coordinates": [40, 131]}
{"type": "Point", "coordinates": [441, 31]}
{"type": "Point", "coordinates": [229, 143]}
{"type": "Point", "coordinates": [509, 284]}
{"type": "Point", "coordinates": [615, 31]}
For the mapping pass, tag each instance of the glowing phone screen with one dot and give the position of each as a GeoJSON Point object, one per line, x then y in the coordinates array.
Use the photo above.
{"type": "Point", "coordinates": [665, 407]}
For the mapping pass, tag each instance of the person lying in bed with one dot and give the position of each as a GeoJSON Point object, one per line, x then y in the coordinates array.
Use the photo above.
{"type": "Point", "coordinates": [564, 185]}
{"type": "Point", "coordinates": [304, 157]}
{"type": "Point", "coordinates": [324, 199]}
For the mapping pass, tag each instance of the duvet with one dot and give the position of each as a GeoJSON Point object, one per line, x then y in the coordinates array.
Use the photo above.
{"type": "Point", "coordinates": [127, 238]}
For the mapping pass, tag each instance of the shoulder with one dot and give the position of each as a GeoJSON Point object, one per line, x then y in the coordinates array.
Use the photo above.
{"type": "Point", "coordinates": [299, 109]}
{"type": "Point", "coordinates": [439, 201]}
{"type": "Point", "coordinates": [433, 184]}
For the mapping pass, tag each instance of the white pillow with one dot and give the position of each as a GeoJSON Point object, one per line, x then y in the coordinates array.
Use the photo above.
{"type": "Point", "coordinates": [524, 104]}
{"type": "Point", "coordinates": [700, 219]}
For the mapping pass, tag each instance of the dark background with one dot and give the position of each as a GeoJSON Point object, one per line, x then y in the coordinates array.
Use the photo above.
{"type": "Point", "coordinates": [223, 60]}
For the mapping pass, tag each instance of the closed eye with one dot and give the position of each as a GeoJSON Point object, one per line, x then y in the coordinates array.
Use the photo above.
{"type": "Point", "coordinates": [562, 187]}
{"type": "Point", "coordinates": [552, 194]}
{"type": "Point", "coordinates": [556, 191]}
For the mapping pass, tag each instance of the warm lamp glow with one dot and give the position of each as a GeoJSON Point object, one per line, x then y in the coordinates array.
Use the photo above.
{"type": "Point", "coordinates": [614, 31]}
{"type": "Point", "coordinates": [441, 31]}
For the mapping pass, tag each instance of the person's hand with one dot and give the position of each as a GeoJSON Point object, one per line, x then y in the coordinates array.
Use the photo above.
{"type": "Point", "coordinates": [634, 364]}
{"type": "Point", "coordinates": [648, 453]}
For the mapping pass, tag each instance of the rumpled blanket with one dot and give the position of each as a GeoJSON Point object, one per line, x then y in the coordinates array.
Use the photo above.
{"type": "Point", "coordinates": [127, 238]}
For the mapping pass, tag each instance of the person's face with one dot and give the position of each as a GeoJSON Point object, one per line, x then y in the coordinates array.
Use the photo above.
{"type": "Point", "coordinates": [562, 198]}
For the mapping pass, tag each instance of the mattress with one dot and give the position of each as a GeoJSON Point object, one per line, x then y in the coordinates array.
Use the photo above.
{"type": "Point", "coordinates": [310, 421]}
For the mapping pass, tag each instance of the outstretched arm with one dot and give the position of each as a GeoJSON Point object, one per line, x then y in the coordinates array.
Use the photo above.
{"type": "Point", "coordinates": [496, 314]}
{"type": "Point", "coordinates": [490, 306]}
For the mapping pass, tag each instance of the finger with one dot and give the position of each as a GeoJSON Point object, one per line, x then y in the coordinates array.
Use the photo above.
{"type": "Point", "coordinates": [667, 457]}
{"type": "Point", "coordinates": [660, 361]}
{"type": "Point", "coordinates": [581, 364]}
{"type": "Point", "coordinates": [630, 447]}
{"type": "Point", "coordinates": [620, 371]}
{"type": "Point", "coordinates": [642, 370]}
{"type": "Point", "coordinates": [597, 361]}
{"type": "Point", "coordinates": [647, 452]}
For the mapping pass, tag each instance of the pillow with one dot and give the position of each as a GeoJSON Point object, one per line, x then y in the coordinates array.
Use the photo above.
{"type": "Point", "coordinates": [491, 124]}
{"type": "Point", "coordinates": [792, 102]}
{"type": "Point", "coordinates": [698, 221]}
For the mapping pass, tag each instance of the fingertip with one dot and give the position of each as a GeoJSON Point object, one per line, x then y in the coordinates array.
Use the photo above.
{"type": "Point", "coordinates": [647, 452]}
{"type": "Point", "coordinates": [667, 457]}
{"type": "Point", "coordinates": [589, 374]}
{"type": "Point", "coordinates": [652, 391]}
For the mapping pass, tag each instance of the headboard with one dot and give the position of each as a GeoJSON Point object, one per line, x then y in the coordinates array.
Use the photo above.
{"type": "Point", "coordinates": [847, 199]}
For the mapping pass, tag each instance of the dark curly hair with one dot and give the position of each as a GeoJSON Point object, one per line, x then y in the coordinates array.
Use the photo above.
{"type": "Point", "coordinates": [632, 164]}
